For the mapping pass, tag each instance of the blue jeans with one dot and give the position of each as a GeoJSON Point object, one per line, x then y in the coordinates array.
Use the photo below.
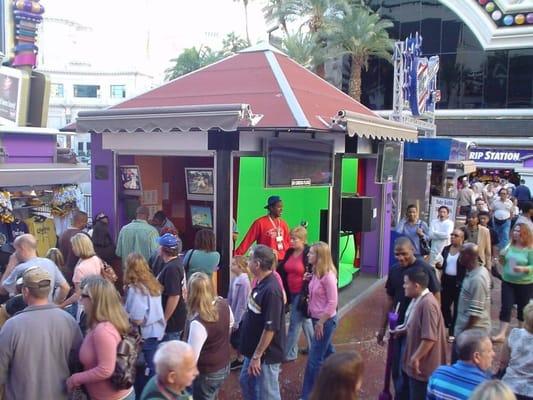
{"type": "Point", "coordinates": [319, 351]}
{"type": "Point", "coordinates": [144, 374]}
{"type": "Point", "coordinates": [297, 322]}
{"type": "Point", "coordinates": [399, 378]}
{"type": "Point", "coordinates": [502, 231]}
{"type": "Point", "coordinates": [417, 389]}
{"type": "Point", "coordinates": [171, 336]}
{"type": "Point", "coordinates": [262, 387]}
{"type": "Point", "coordinates": [206, 386]}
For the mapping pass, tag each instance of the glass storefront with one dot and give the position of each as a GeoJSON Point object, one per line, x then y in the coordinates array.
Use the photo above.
{"type": "Point", "coordinates": [469, 77]}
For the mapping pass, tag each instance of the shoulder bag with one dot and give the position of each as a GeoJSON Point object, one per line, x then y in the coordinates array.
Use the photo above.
{"type": "Point", "coordinates": [128, 350]}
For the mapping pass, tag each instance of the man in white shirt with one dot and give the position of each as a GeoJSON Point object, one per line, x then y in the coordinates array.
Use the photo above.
{"type": "Point", "coordinates": [440, 230]}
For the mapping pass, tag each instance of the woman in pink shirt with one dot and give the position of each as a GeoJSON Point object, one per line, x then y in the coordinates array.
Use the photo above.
{"type": "Point", "coordinates": [323, 301]}
{"type": "Point", "coordinates": [108, 322]}
{"type": "Point", "coordinates": [89, 264]}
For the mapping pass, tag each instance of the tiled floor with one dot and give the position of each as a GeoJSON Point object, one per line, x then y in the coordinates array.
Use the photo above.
{"type": "Point", "coordinates": [355, 332]}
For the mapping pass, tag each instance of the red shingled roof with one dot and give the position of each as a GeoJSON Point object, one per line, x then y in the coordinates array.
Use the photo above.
{"type": "Point", "coordinates": [256, 77]}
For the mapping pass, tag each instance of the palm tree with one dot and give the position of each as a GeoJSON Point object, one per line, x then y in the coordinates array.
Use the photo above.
{"type": "Point", "coordinates": [245, 4]}
{"type": "Point", "coordinates": [276, 11]}
{"type": "Point", "coordinates": [302, 48]}
{"type": "Point", "coordinates": [190, 60]}
{"type": "Point", "coordinates": [361, 34]}
{"type": "Point", "coordinates": [233, 43]}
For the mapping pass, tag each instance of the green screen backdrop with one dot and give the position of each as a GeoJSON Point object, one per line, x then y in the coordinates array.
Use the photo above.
{"type": "Point", "coordinates": [299, 204]}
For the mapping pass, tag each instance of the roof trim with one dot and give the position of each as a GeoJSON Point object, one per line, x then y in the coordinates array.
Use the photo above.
{"type": "Point", "coordinates": [43, 174]}
{"type": "Point", "coordinates": [286, 89]}
{"type": "Point", "coordinates": [374, 127]}
{"type": "Point", "coordinates": [227, 117]}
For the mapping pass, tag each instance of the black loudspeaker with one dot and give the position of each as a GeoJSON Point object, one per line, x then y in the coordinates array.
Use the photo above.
{"type": "Point", "coordinates": [357, 214]}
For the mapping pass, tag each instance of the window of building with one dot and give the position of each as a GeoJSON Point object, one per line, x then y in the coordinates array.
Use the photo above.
{"type": "Point", "coordinates": [118, 91]}
{"type": "Point", "coordinates": [88, 91]}
{"type": "Point", "coordinates": [57, 90]}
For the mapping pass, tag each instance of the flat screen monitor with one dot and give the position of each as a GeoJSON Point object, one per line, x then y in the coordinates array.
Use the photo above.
{"type": "Point", "coordinates": [201, 216]}
{"type": "Point", "coordinates": [294, 162]}
{"type": "Point", "coordinates": [388, 165]}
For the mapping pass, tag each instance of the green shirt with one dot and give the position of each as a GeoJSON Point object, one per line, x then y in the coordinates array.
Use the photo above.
{"type": "Point", "coordinates": [201, 261]}
{"type": "Point", "coordinates": [153, 391]}
{"type": "Point", "coordinates": [520, 257]}
{"type": "Point", "coordinates": [137, 237]}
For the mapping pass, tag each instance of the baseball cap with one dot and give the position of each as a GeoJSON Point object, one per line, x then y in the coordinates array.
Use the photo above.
{"type": "Point", "coordinates": [36, 277]}
{"type": "Point", "coordinates": [272, 200]}
{"type": "Point", "coordinates": [168, 240]}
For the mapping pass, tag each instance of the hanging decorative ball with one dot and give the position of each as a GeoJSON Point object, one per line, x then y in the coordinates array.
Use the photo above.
{"type": "Point", "coordinates": [529, 18]}
{"type": "Point", "coordinates": [508, 20]}
{"type": "Point", "coordinates": [519, 19]}
{"type": "Point", "coordinates": [497, 15]}
{"type": "Point", "coordinates": [490, 7]}
{"type": "Point", "coordinates": [483, 2]}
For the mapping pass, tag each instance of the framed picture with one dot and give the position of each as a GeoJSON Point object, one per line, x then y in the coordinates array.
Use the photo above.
{"type": "Point", "coordinates": [201, 216]}
{"type": "Point", "coordinates": [130, 179]}
{"type": "Point", "coordinates": [199, 183]}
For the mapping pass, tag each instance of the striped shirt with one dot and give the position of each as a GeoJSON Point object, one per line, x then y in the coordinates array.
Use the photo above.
{"type": "Point", "coordinates": [474, 301]}
{"type": "Point", "coordinates": [455, 382]}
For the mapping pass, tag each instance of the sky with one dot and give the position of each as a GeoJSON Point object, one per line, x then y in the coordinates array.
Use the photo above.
{"type": "Point", "coordinates": [146, 34]}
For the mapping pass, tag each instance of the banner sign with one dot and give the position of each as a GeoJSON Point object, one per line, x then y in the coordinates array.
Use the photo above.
{"type": "Point", "coordinates": [420, 77]}
{"type": "Point", "coordinates": [498, 155]}
{"type": "Point", "coordinates": [437, 202]}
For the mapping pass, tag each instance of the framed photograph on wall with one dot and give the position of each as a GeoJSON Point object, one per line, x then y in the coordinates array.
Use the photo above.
{"type": "Point", "coordinates": [130, 179]}
{"type": "Point", "coordinates": [201, 216]}
{"type": "Point", "coordinates": [199, 183]}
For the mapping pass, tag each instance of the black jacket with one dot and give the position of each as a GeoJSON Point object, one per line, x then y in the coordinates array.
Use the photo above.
{"type": "Point", "coordinates": [283, 273]}
{"type": "Point", "coordinates": [461, 269]}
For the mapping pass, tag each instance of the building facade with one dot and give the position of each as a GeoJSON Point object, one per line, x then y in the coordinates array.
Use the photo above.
{"type": "Point", "coordinates": [485, 77]}
{"type": "Point", "coordinates": [78, 82]}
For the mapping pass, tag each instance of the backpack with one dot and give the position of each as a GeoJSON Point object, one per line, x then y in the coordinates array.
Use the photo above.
{"type": "Point", "coordinates": [127, 353]}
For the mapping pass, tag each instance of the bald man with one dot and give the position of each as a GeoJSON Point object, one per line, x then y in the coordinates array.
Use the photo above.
{"type": "Point", "coordinates": [26, 254]}
{"type": "Point", "coordinates": [175, 366]}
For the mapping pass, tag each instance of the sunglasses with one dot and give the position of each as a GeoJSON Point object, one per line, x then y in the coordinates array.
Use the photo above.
{"type": "Point", "coordinates": [85, 296]}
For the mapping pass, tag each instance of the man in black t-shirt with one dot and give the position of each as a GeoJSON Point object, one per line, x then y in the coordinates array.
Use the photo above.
{"type": "Point", "coordinates": [172, 277]}
{"type": "Point", "coordinates": [404, 252]}
{"type": "Point", "coordinates": [263, 330]}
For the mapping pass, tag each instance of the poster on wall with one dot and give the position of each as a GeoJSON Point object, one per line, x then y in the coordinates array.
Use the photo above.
{"type": "Point", "coordinates": [437, 202]}
{"type": "Point", "coordinates": [130, 179]}
{"type": "Point", "coordinates": [199, 183]}
{"type": "Point", "coordinates": [201, 216]}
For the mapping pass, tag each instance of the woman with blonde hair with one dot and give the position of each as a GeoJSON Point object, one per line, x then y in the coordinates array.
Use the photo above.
{"type": "Point", "coordinates": [89, 264]}
{"type": "Point", "coordinates": [145, 309]}
{"type": "Point", "coordinates": [108, 322]}
{"type": "Point", "coordinates": [517, 282]}
{"type": "Point", "coordinates": [517, 363]}
{"type": "Point", "coordinates": [340, 377]}
{"type": "Point", "coordinates": [210, 322]}
{"type": "Point", "coordinates": [292, 269]}
{"type": "Point", "coordinates": [323, 301]}
{"type": "Point", "coordinates": [492, 390]}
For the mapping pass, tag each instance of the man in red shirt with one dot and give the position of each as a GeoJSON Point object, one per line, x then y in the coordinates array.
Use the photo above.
{"type": "Point", "coordinates": [269, 230]}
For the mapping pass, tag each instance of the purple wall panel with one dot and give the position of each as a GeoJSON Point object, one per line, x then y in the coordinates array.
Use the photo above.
{"type": "Point", "coordinates": [369, 260]}
{"type": "Point", "coordinates": [102, 190]}
{"type": "Point", "coordinates": [29, 148]}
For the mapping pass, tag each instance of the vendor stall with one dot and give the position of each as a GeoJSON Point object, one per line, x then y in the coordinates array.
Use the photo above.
{"type": "Point", "coordinates": [199, 149]}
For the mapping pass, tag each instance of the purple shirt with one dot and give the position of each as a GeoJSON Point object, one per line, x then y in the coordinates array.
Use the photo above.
{"type": "Point", "coordinates": [323, 296]}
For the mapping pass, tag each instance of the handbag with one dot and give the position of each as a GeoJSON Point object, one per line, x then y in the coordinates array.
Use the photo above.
{"type": "Point", "coordinates": [303, 301]}
{"type": "Point", "coordinates": [108, 272]}
{"type": "Point", "coordinates": [78, 394]}
{"type": "Point", "coordinates": [424, 247]}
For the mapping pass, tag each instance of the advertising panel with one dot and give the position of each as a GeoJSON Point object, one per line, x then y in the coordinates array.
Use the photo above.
{"type": "Point", "coordinates": [436, 202]}
{"type": "Point", "coordinates": [505, 156]}
{"type": "Point", "coordinates": [14, 96]}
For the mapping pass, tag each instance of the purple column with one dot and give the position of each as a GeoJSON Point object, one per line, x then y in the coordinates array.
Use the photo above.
{"type": "Point", "coordinates": [371, 240]}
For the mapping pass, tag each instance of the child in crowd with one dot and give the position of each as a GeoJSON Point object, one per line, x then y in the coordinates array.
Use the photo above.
{"type": "Point", "coordinates": [238, 294]}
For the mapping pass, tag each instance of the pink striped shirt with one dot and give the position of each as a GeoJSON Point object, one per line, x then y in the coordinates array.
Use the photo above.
{"type": "Point", "coordinates": [323, 296]}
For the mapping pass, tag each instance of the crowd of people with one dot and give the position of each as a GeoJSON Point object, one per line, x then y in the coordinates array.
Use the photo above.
{"type": "Point", "coordinates": [71, 315]}
{"type": "Point", "coordinates": [440, 291]}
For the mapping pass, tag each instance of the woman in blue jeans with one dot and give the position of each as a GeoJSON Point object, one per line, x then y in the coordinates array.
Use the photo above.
{"type": "Point", "coordinates": [502, 209]}
{"type": "Point", "coordinates": [292, 269]}
{"type": "Point", "coordinates": [323, 300]}
{"type": "Point", "coordinates": [209, 332]}
{"type": "Point", "coordinates": [144, 308]}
